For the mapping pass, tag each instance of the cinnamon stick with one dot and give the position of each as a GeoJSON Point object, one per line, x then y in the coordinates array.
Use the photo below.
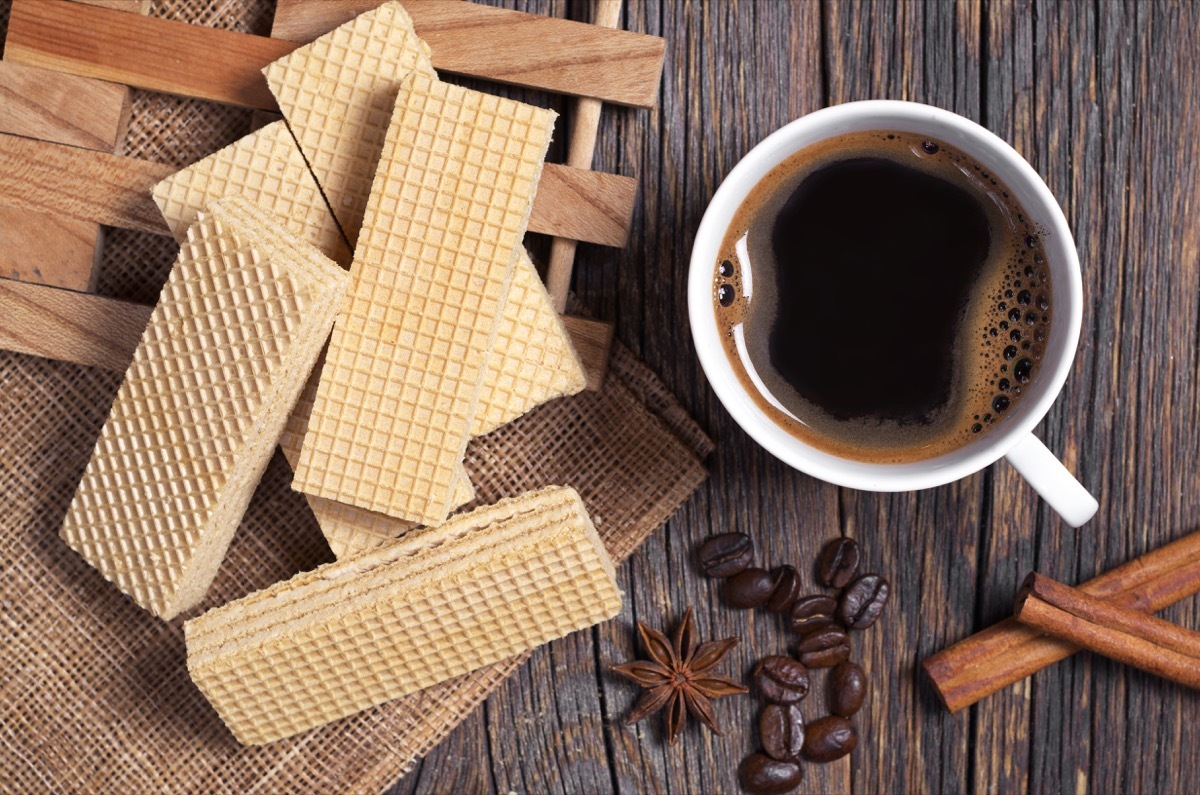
{"type": "Point", "coordinates": [1008, 652]}
{"type": "Point", "coordinates": [1150, 644]}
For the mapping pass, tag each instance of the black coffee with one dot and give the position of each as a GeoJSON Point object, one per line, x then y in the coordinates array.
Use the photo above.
{"type": "Point", "coordinates": [883, 297]}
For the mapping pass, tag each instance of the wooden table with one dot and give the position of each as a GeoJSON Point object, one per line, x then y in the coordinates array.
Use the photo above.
{"type": "Point", "coordinates": [1104, 99]}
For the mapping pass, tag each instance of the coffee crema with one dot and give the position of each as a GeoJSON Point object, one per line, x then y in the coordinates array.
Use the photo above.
{"type": "Point", "coordinates": [883, 297]}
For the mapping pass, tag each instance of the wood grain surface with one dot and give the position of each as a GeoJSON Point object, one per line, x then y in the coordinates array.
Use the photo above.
{"type": "Point", "coordinates": [113, 190]}
{"type": "Point", "coordinates": [49, 248]}
{"type": "Point", "coordinates": [1103, 98]}
{"type": "Point", "coordinates": [92, 186]}
{"type": "Point", "coordinates": [70, 326]}
{"type": "Point", "coordinates": [224, 66]}
{"type": "Point", "coordinates": [65, 109]}
{"type": "Point", "coordinates": [560, 55]}
{"type": "Point", "coordinates": [143, 52]}
{"type": "Point", "coordinates": [102, 332]}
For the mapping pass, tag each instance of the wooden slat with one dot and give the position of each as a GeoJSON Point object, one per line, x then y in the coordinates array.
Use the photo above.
{"type": "Point", "coordinates": [113, 190]}
{"type": "Point", "coordinates": [531, 50]}
{"type": "Point", "coordinates": [131, 6]}
{"type": "Point", "coordinates": [63, 108]}
{"type": "Point", "coordinates": [581, 145]}
{"type": "Point", "coordinates": [47, 247]}
{"type": "Point", "coordinates": [42, 248]}
{"type": "Point", "coordinates": [102, 332]}
{"type": "Point", "coordinates": [583, 205]}
{"type": "Point", "coordinates": [593, 341]}
{"type": "Point", "coordinates": [71, 327]}
{"type": "Point", "coordinates": [143, 52]}
{"type": "Point", "coordinates": [224, 66]}
{"type": "Point", "coordinates": [93, 186]}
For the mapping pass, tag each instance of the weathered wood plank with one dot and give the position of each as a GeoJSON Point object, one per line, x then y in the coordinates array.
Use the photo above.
{"type": "Point", "coordinates": [708, 118]}
{"type": "Point", "coordinates": [143, 52]}
{"type": "Point", "coordinates": [1124, 419]}
{"type": "Point", "coordinates": [506, 46]}
{"type": "Point", "coordinates": [1010, 525]}
{"type": "Point", "coordinates": [924, 53]}
{"type": "Point", "coordinates": [69, 326]}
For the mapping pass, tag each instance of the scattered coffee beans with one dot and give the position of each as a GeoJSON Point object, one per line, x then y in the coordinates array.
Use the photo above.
{"type": "Point", "coordinates": [829, 738]}
{"type": "Point", "coordinates": [780, 679]}
{"type": "Point", "coordinates": [822, 622]}
{"type": "Point", "coordinates": [847, 689]}
{"type": "Point", "coordinates": [763, 775]}
{"type": "Point", "coordinates": [749, 588]}
{"type": "Point", "coordinates": [787, 586]}
{"type": "Point", "coordinates": [726, 555]}
{"type": "Point", "coordinates": [838, 563]}
{"type": "Point", "coordinates": [863, 601]}
{"type": "Point", "coordinates": [781, 727]}
{"type": "Point", "coordinates": [813, 612]}
{"type": "Point", "coordinates": [824, 648]}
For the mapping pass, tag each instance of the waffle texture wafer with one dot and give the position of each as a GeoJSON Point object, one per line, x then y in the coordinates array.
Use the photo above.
{"type": "Point", "coordinates": [347, 528]}
{"type": "Point", "coordinates": [532, 358]}
{"type": "Point", "coordinates": [373, 627]}
{"type": "Point", "coordinates": [532, 361]}
{"type": "Point", "coordinates": [229, 346]}
{"type": "Point", "coordinates": [401, 382]}
{"type": "Point", "coordinates": [265, 167]}
{"type": "Point", "coordinates": [337, 93]}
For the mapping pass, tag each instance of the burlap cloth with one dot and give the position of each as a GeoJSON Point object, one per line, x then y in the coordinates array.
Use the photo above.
{"type": "Point", "coordinates": [94, 691]}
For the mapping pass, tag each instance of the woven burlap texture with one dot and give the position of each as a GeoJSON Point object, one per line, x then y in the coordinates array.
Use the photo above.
{"type": "Point", "coordinates": [95, 695]}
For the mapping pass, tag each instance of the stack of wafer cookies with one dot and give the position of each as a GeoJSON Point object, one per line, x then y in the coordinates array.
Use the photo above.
{"type": "Point", "coordinates": [373, 627]}
{"type": "Point", "coordinates": [443, 331]}
{"type": "Point", "coordinates": [432, 266]}
{"type": "Point", "coordinates": [338, 93]}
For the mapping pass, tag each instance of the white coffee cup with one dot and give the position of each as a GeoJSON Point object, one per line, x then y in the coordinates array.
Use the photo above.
{"type": "Point", "coordinates": [1012, 437]}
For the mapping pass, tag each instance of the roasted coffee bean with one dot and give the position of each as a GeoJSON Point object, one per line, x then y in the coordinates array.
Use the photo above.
{"type": "Point", "coordinates": [749, 588]}
{"type": "Point", "coordinates": [847, 689]}
{"type": "Point", "coordinates": [726, 555]}
{"type": "Point", "coordinates": [862, 601]}
{"type": "Point", "coordinates": [838, 562]}
{"type": "Point", "coordinates": [781, 679]}
{"type": "Point", "coordinates": [763, 775]}
{"type": "Point", "coordinates": [781, 727]}
{"type": "Point", "coordinates": [829, 738]}
{"type": "Point", "coordinates": [787, 585]}
{"type": "Point", "coordinates": [824, 648]}
{"type": "Point", "coordinates": [813, 612]}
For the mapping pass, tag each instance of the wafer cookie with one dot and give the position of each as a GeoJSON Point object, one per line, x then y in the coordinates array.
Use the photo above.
{"type": "Point", "coordinates": [235, 334]}
{"type": "Point", "coordinates": [265, 167]}
{"type": "Point", "coordinates": [376, 626]}
{"type": "Point", "coordinates": [337, 93]}
{"type": "Point", "coordinates": [348, 528]}
{"type": "Point", "coordinates": [532, 358]}
{"type": "Point", "coordinates": [401, 382]}
{"type": "Point", "coordinates": [532, 361]}
{"type": "Point", "coordinates": [347, 525]}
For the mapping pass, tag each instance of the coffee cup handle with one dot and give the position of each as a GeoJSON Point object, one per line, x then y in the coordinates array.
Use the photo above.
{"type": "Point", "coordinates": [1051, 479]}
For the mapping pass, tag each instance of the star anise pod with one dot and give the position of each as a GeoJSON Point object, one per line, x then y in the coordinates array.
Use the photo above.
{"type": "Point", "coordinates": [678, 678]}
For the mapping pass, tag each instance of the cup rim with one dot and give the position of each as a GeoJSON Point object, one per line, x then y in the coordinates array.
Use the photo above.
{"type": "Point", "coordinates": [926, 473]}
